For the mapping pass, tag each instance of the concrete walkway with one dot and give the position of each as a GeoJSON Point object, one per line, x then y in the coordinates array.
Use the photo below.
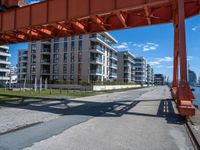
{"type": "Point", "coordinates": [144, 119]}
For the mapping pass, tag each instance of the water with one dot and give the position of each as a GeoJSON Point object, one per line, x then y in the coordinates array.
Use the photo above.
{"type": "Point", "coordinates": [197, 96]}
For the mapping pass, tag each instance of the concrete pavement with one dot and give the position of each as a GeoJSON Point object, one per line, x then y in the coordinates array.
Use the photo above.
{"type": "Point", "coordinates": [143, 119]}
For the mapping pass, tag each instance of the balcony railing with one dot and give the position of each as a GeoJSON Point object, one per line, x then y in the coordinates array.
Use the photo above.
{"type": "Point", "coordinates": [5, 62]}
{"type": "Point", "coordinates": [45, 71]}
{"type": "Point", "coordinates": [46, 50]}
{"type": "Point", "coordinates": [113, 74]}
{"type": "Point", "coordinates": [4, 78]}
{"type": "Point", "coordinates": [45, 61]}
{"type": "Point", "coordinates": [96, 59]}
{"type": "Point", "coordinates": [113, 56]}
{"type": "Point", "coordinates": [97, 47]}
{"type": "Point", "coordinates": [97, 71]}
{"type": "Point", "coordinates": [113, 65]}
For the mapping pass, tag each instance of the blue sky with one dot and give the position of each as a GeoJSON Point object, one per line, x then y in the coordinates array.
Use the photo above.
{"type": "Point", "coordinates": [155, 43]}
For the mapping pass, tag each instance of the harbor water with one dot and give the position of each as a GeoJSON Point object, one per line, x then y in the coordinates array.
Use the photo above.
{"type": "Point", "coordinates": [197, 96]}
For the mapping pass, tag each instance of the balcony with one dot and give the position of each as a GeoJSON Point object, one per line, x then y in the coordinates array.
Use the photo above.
{"type": "Point", "coordinates": [96, 60]}
{"type": "Point", "coordinates": [113, 65]}
{"type": "Point", "coordinates": [4, 78]}
{"type": "Point", "coordinates": [96, 71]}
{"type": "Point", "coordinates": [4, 70]}
{"type": "Point", "coordinates": [44, 71]}
{"type": "Point", "coordinates": [97, 48]}
{"type": "Point", "coordinates": [46, 50]}
{"type": "Point", "coordinates": [112, 56]}
{"type": "Point", "coordinates": [5, 54]}
{"type": "Point", "coordinates": [45, 61]}
{"type": "Point", "coordinates": [5, 62]}
{"type": "Point", "coordinates": [113, 75]}
{"type": "Point", "coordinates": [127, 70]}
{"type": "Point", "coordinates": [102, 38]}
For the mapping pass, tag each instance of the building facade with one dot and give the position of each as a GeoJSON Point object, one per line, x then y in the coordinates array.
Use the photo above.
{"type": "Point", "coordinates": [159, 79]}
{"type": "Point", "coordinates": [192, 77]}
{"type": "Point", "coordinates": [126, 67]}
{"type": "Point", "coordinates": [140, 70]}
{"type": "Point", "coordinates": [150, 75]}
{"type": "Point", "coordinates": [4, 64]}
{"type": "Point", "coordinates": [78, 58]}
{"type": "Point", "coordinates": [22, 65]}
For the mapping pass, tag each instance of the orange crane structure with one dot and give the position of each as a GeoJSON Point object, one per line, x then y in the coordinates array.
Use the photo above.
{"type": "Point", "coordinates": [59, 18]}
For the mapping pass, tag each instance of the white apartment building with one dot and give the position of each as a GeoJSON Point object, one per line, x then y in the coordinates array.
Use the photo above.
{"type": "Point", "coordinates": [140, 70]}
{"type": "Point", "coordinates": [78, 58]}
{"type": "Point", "coordinates": [22, 65]}
{"type": "Point", "coordinates": [150, 75]}
{"type": "Point", "coordinates": [4, 64]}
{"type": "Point", "coordinates": [126, 67]}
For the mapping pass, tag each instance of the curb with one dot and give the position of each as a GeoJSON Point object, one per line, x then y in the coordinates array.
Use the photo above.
{"type": "Point", "coordinates": [193, 136]}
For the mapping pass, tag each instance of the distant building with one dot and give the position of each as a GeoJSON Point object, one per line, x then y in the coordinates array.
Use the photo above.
{"type": "Point", "coordinates": [4, 64]}
{"type": "Point", "coordinates": [192, 77]}
{"type": "Point", "coordinates": [22, 65]}
{"type": "Point", "coordinates": [140, 70]}
{"type": "Point", "coordinates": [88, 58]}
{"type": "Point", "coordinates": [125, 70]}
{"type": "Point", "coordinates": [159, 79]}
{"type": "Point", "coordinates": [150, 75]}
{"type": "Point", "coordinates": [13, 74]}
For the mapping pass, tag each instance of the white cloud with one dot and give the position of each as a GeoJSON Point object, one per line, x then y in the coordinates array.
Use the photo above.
{"type": "Point", "coordinates": [189, 58]}
{"type": "Point", "coordinates": [122, 46]}
{"type": "Point", "coordinates": [195, 28]}
{"type": "Point", "coordinates": [149, 46]}
{"type": "Point", "coordinates": [165, 59]}
{"type": "Point", "coordinates": [152, 63]}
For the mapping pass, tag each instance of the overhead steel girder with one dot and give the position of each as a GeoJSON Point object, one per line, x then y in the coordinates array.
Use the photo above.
{"type": "Point", "coordinates": [88, 16]}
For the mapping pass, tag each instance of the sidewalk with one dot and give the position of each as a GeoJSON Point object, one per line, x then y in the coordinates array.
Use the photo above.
{"type": "Point", "coordinates": [150, 122]}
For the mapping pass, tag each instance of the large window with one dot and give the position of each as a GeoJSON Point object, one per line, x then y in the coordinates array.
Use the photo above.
{"type": "Point", "coordinates": [56, 47]}
{"type": "Point", "coordinates": [80, 46]}
{"type": "Point", "coordinates": [65, 47]}
{"type": "Point", "coordinates": [65, 57]}
{"type": "Point", "coordinates": [72, 46]}
{"type": "Point", "coordinates": [55, 58]}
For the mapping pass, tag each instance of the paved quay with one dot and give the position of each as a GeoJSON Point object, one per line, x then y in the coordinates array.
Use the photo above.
{"type": "Point", "coordinates": [142, 119]}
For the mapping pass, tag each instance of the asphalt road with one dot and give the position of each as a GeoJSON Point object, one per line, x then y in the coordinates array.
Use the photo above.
{"type": "Point", "coordinates": [136, 119]}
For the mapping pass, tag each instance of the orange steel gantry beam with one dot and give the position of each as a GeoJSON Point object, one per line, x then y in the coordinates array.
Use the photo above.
{"type": "Point", "coordinates": [59, 18]}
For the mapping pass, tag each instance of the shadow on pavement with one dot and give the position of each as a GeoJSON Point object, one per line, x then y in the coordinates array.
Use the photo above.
{"type": "Point", "coordinates": [97, 109]}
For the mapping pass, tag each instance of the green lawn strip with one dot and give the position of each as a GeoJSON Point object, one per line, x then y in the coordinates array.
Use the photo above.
{"type": "Point", "coordinates": [7, 94]}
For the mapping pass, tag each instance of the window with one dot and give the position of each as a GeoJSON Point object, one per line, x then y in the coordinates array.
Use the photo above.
{"type": "Point", "coordinates": [72, 57]}
{"type": "Point", "coordinates": [79, 57]}
{"type": "Point", "coordinates": [64, 69]}
{"type": "Point", "coordinates": [80, 46]}
{"type": "Point", "coordinates": [33, 48]}
{"type": "Point", "coordinates": [65, 57]}
{"type": "Point", "coordinates": [72, 68]}
{"type": "Point", "coordinates": [55, 68]}
{"type": "Point", "coordinates": [33, 68]}
{"type": "Point", "coordinates": [72, 46]}
{"type": "Point", "coordinates": [56, 47]}
{"type": "Point", "coordinates": [72, 37]}
{"type": "Point", "coordinates": [65, 47]}
{"type": "Point", "coordinates": [56, 40]}
{"type": "Point", "coordinates": [55, 58]}
{"type": "Point", "coordinates": [80, 36]}
{"type": "Point", "coordinates": [65, 39]}
{"type": "Point", "coordinates": [55, 77]}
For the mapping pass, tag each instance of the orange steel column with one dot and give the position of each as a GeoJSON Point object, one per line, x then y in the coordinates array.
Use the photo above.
{"type": "Point", "coordinates": [185, 95]}
{"type": "Point", "coordinates": [174, 88]}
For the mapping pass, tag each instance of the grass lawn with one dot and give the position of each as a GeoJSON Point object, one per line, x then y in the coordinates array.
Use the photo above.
{"type": "Point", "coordinates": [9, 95]}
{"type": "Point", "coordinates": [13, 95]}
